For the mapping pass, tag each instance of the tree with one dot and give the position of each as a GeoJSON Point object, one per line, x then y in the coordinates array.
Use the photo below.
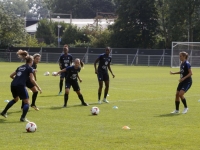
{"type": "Point", "coordinates": [45, 31]}
{"type": "Point", "coordinates": [37, 9]}
{"type": "Point", "coordinates": [80, 8]}
{"type": "Point", "coordinates": [136, 25]}
{"type": "Point", "coordinates": [18, 7]}
{"type": "Point", "coordinates": [11, 27]}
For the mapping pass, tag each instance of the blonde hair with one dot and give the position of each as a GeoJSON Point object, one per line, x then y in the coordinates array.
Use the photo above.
{"type": "Point", "coordinates": [24, 55]}
{"type": "Point", "coordinates": [184, 54]}
{"type": "Point", "coordinates": [81, 63]}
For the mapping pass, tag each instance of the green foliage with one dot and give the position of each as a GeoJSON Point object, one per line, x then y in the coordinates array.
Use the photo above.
{"type": "Point", "coordinates": [11, 27]}
{"type": "Point", "coordinates": [31, 41]}
{"type": "Point", "coordinates": [18, 7]}
{"type": "Point", "coordinates": [81, 8]}
{"type": "Point", "coordinates": [136, 25]}
{"type": "Point", "coordinates": [45, 31]}
{"type": "Point", "coordinates": [102, 40]}
{"type": "Point", "coordinates": [144, 99]}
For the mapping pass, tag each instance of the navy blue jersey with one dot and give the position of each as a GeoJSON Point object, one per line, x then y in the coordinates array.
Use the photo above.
{"type": "Point", "coordinates": [72, 73]}
{"type": "Point", "coordinates": [104, 61]}
{"type": "Point", "coordinates": [34, 66]}
{"type": "Point", "coordinates": [22, 75]}
{"type": "Point", "coordinates": [65, 60]}
{"type": "Point", "coordinates": [184, 70]}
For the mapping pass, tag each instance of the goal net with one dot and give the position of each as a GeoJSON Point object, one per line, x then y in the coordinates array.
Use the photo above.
{"type": "Point", "coordinates": [193, 50]}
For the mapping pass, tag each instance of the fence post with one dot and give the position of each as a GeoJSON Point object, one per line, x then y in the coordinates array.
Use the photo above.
{"type": "Point", "coordinates": [127, 60]}
{"type": "Point", "coordinates": [47, 55]}
{"type": "Point", "coordinates": [10, 56]}
{"type": "Point", "coordinates": [148, 60]}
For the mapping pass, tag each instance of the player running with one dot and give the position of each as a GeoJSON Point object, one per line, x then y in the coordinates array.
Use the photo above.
{"type": "Point", "coordinates": [30, 85]}
{"type": "Point", "coordinates": [18, 85]}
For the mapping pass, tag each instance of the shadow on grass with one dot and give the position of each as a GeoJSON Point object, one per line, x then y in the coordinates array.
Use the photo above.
{"type": "Point", "coordinates": [167, 115]}
{"type": "Point", "coordinates": [7, 121]}
{"type": "Point", "coordinates": [13, 112]}
{"type": "Point", "coordinates": [69, 106]}
{"type": "Point", "coordinates": [49, 95]}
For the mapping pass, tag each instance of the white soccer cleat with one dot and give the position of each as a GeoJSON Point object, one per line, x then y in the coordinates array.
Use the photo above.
{"type": "Point", "coordinates": [175, 112]}
{"type": "Point", "coordinates": [99, 101]}
{"type": "Point", "coordinates": [105, 100]}
{"type": "Point", "coordinates": [185, 110]}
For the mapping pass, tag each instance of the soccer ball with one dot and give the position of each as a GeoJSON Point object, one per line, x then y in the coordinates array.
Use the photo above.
{"type": "Point", "coordinates": [54, 73]}
{"type": "Point", "coordinates": [31, 127]}
{"type": "Point", "coordinates": [46, 73]}
{"type": "Point", "coordinates": [95, 110]}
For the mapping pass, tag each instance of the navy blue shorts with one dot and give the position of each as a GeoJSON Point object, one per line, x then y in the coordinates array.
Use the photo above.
{"type": "Point", "coordinates": [185, 86]}
{"type": "Point", "coordinates": [62, 75]}
{"type": "Point", "coordinates": [29, 84]}
{"type": "Point", "coordinates": [19, 91]}
{"type": "Point", "coordinates": [74, 84]}
{"type": "Point", "coordinates": [103, 76]}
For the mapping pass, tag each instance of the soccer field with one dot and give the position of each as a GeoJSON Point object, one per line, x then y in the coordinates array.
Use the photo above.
{"type": "Point", "coordinates": [144, 97]}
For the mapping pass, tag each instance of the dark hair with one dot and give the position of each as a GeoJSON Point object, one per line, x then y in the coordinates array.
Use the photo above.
{"type": "Point", "coordinates": [24, 55]}
{"type": "Point", "coordinates": [184, 54]}
{"type": "Point", "coordinates": [82, 63]}
{"type": "Point", "coordinates": [65, 45]}
{"type": "Point", "coordinates": [36, 55]}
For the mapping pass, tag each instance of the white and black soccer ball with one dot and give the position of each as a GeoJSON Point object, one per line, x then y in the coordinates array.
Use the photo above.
{"type": "Point", "coordinates": [47, 73]}
{"type": "Point", "coordinates": [95, 110]}
{"type": "Point", "coordinates": [54, 73]}
{"type": "Point", "coordinates": [31, 127]}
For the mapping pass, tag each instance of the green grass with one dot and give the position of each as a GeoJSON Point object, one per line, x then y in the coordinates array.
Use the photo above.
{"type": "Point", "coordinates": [144, 96]}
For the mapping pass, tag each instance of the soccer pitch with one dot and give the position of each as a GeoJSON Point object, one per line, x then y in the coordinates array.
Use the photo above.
{"type": "Point", "coordinates": [144, 97]}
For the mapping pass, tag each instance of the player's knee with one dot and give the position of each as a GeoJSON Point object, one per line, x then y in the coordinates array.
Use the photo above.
{"type": "Point", "coordinates": [26, 101]}
{"type": "Point", "coordinates": [181, 94]}
{"type": "Point", "coordinates": [177, 95]}
{"type": "Point", "coordinates": [16, 99]}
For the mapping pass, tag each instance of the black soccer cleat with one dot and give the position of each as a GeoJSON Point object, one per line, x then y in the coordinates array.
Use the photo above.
{"type": "Point", "coordinates": [4, 115]}
{"type": "Point", "coordinates": [85, 104]}
{"type": "Point", "coordinates": [24, 120]}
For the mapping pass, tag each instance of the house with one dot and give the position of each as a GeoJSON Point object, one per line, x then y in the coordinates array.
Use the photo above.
{"type": "Point", "coordinates": [78, 22]}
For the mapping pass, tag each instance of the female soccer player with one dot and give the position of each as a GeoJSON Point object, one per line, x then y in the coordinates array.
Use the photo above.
{"type": "Point", "coordinates": [185, 82]}
{"type": "Point", "coordinates": [29, 84]}
{"type": "Point", "coordinates": [18, 85]}
{"type": "Point", "coordinates": [102, 73]}
{"type": "Point", "coordinates": [65, 60]}
{"type": "Point", "coordinates": [71, 80]}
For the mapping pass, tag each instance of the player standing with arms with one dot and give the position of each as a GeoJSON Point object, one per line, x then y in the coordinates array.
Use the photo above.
{"type": "Point", "coordinates": [185, 82]}
{"type": "Point", "coordinates": [102, 73]}
{"type": "Point", "coordinates": [65, 60]}
{"type": "Point", "coordinates": [71, 80]}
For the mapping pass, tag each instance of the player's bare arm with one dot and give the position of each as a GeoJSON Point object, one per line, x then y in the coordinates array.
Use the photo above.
{"type": "Point", "coordinates": [95, 65]}
{"type": "Point", "coordinates": [109, 68]}
{"type": "Point", "coordinates": [175, 72]}
{"type": "Point", "coordinates": [13, 75]}
{"type": "Point", "coordinates": [34, 82]}
{"type": "Point", "coordinates": [189, 75]}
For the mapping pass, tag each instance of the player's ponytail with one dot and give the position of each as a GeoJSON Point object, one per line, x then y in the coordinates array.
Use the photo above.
{"type": "Point", "coordinates": [24, 55]}
{"type": "Point", "coordinates": [82, 63]}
